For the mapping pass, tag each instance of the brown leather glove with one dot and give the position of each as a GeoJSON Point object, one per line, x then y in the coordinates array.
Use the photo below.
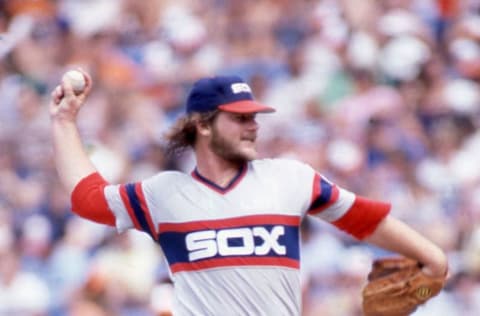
{"type": "Point", "coordinates": [397, 286]}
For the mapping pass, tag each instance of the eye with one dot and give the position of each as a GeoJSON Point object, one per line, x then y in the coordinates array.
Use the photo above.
{"type": "Point", "coordinates": [244, 118]}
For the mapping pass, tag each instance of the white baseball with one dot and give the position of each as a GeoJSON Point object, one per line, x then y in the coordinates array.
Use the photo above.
{"type": "Point", "coordinates": [76, 79]}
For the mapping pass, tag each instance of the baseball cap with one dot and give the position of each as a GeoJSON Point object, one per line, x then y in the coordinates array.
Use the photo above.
{"type": "Point", "coordinates": [226, 93]}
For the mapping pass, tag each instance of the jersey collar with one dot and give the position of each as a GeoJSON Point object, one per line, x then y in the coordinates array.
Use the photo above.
{"type": "Point", "coordinates": [212, 185]}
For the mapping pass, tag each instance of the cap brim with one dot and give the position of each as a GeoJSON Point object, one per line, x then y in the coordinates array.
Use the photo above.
{"type": "Point", "coordinates": [245, 107]}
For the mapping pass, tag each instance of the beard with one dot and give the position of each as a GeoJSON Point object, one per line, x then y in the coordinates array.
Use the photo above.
{"type": "Point", "coordinates": [227, 149]}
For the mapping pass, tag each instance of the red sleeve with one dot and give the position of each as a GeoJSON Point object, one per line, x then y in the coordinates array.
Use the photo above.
{"type": "Point", "coordinates": [363, 217]}
{"type": "Point", "coordinates": [88, 200]}
{"type": "Point", "coordinates": [448, 8]}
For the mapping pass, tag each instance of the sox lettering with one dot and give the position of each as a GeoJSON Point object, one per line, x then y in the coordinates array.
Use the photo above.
{"type": "Point", "coordinates": [209, 243]}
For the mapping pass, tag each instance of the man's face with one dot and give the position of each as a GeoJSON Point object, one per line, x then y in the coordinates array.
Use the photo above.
{"type": "Point", "coordinates": [233, 136]}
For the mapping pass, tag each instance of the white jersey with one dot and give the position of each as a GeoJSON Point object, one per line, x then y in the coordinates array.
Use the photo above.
{"type": "Point", "coordinates": [232, 250]}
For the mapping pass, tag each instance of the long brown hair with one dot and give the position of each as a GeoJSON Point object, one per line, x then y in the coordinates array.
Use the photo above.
{"type": "Point", "coordinates": [183, 134]}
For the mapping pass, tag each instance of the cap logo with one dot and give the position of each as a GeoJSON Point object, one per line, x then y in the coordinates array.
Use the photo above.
{"type": "Point", "coordinates": [240, 87]}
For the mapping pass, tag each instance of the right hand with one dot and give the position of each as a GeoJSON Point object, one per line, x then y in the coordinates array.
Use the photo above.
{"type": "Point", "coordinates": [64, 104]}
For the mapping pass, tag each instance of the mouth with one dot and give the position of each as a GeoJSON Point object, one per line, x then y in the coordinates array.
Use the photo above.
{"type": "Point", "coordinates": [250, 139]}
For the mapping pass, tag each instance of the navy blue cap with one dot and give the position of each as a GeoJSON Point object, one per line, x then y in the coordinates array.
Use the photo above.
{"type": "Point", "coordinates": [229, 94]}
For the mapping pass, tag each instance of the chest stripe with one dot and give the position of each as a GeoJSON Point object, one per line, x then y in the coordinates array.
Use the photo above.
{"type": "Point", "coordinates": [226, 262]}
{"type": "Point", "coordinates": [289, 220]}
{"type": "Point", "coordinates": [265, 240]}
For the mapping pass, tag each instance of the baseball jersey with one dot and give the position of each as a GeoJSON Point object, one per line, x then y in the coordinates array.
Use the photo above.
{"type": "Point", "coordinates": [235, 250]}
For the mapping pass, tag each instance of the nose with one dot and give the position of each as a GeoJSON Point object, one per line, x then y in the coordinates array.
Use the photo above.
{"type": "Point", "coordinates": [252, 124]}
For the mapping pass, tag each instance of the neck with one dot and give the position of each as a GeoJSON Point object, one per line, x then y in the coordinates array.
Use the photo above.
{"type": "Point", "coordinates": [216, 169]}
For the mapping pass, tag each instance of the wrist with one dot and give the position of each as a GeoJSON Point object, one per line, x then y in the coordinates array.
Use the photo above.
{"type": "Point", "coordinates": [63, 122]}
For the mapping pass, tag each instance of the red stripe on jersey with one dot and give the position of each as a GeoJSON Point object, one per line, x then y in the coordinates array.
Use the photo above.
{"type": "Point", "coordinates": [316, 187]}
{"type": "Point", "coordinates": [128, 206]}
{"type": "Point", "coordinates": [144, 207]}
{"type": "Point", "coordinates": [234, 261]}
{"type": "Point", "coordinates": [363, 217]}
{"type": "Point", "coordinates": [230, 222]}
{"type": "Point", "coordinates": [88, 200]}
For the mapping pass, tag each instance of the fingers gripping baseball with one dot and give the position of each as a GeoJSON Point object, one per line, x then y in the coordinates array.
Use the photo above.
{"type": "Point", "coordinates": [68, 97]}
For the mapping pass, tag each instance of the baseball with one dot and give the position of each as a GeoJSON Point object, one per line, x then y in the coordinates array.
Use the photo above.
{"type": "Point", "coordinates": [76, 79]}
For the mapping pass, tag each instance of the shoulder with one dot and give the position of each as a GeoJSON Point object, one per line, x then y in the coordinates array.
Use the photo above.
{"type": "Point", "coordinates": [170, 178]}
{"type": "Point", "coordinates": [281, 165]}
{"type": "Point", "coordinates": [168, 175]}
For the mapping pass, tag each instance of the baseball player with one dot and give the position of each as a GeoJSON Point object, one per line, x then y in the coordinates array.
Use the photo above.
{"type": "Point", "coordinates": [230, 228]}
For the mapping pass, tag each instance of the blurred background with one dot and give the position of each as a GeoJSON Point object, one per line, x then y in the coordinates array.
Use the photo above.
{"type": "Point", "coordinates": [382, 97]}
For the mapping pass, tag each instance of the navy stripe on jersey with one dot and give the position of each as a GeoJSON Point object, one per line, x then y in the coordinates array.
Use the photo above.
{"type": "Point", "coordinates": [273, 245]}
{"type": "Point", "coordinates": [325, 194]}
{"type": "Point", "coordinates": [137, 208]}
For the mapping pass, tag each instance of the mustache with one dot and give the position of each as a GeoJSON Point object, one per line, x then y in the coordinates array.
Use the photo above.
{"type": "Point", "coordinates": [251, 137]}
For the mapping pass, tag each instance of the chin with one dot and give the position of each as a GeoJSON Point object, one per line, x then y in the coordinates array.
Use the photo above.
{"type": "Point", "coordinates": [251, 155]}
{"type": "Point", "coordinates": [244, 156]}
{"type": "Point", "coordinates": [250, 149]}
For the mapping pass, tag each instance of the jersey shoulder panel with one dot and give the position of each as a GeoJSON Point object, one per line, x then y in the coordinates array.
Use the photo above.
{"type": "Point", "coordinates": [285, 168]}
{"type": "Point", "coordinates": [291, 179]}
{"type": "Point", "coordinates": [138, 204]}
{"type": "Point", "coordinates": [170, 176]}
{"type": "Point", "coordinates": [165, 183]}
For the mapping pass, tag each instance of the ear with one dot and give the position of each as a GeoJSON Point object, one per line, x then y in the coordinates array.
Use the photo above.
{"type": "Point", "coordinates": [203, 128]}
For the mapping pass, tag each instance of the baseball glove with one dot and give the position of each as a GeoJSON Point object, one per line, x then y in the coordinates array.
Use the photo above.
{"type": "Point", "coordinates": [397, 286]}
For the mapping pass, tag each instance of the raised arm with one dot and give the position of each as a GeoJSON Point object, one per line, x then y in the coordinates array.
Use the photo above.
{"type": "Point", "coordinates": [75, 170]}
{"type": "Point", "coordinates": [394, 235]}
{"type": "Point", "coordinates": [71, 160]}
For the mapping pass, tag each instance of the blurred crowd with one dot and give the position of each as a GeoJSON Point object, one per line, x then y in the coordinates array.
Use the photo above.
{"type": "Point", "coordinates": [381, 96]}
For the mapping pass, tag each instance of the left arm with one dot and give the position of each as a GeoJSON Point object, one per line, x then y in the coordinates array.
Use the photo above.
{"type": "Point", "coordinates": [394, 235]}
{"type": "Point", "coordinates": [369, 221]}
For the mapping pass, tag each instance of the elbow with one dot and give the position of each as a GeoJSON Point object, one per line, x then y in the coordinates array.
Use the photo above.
{"type": "Point", "coordinates": [437, 266]}
{"type": "Point", "coordinates": [89, 202]}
